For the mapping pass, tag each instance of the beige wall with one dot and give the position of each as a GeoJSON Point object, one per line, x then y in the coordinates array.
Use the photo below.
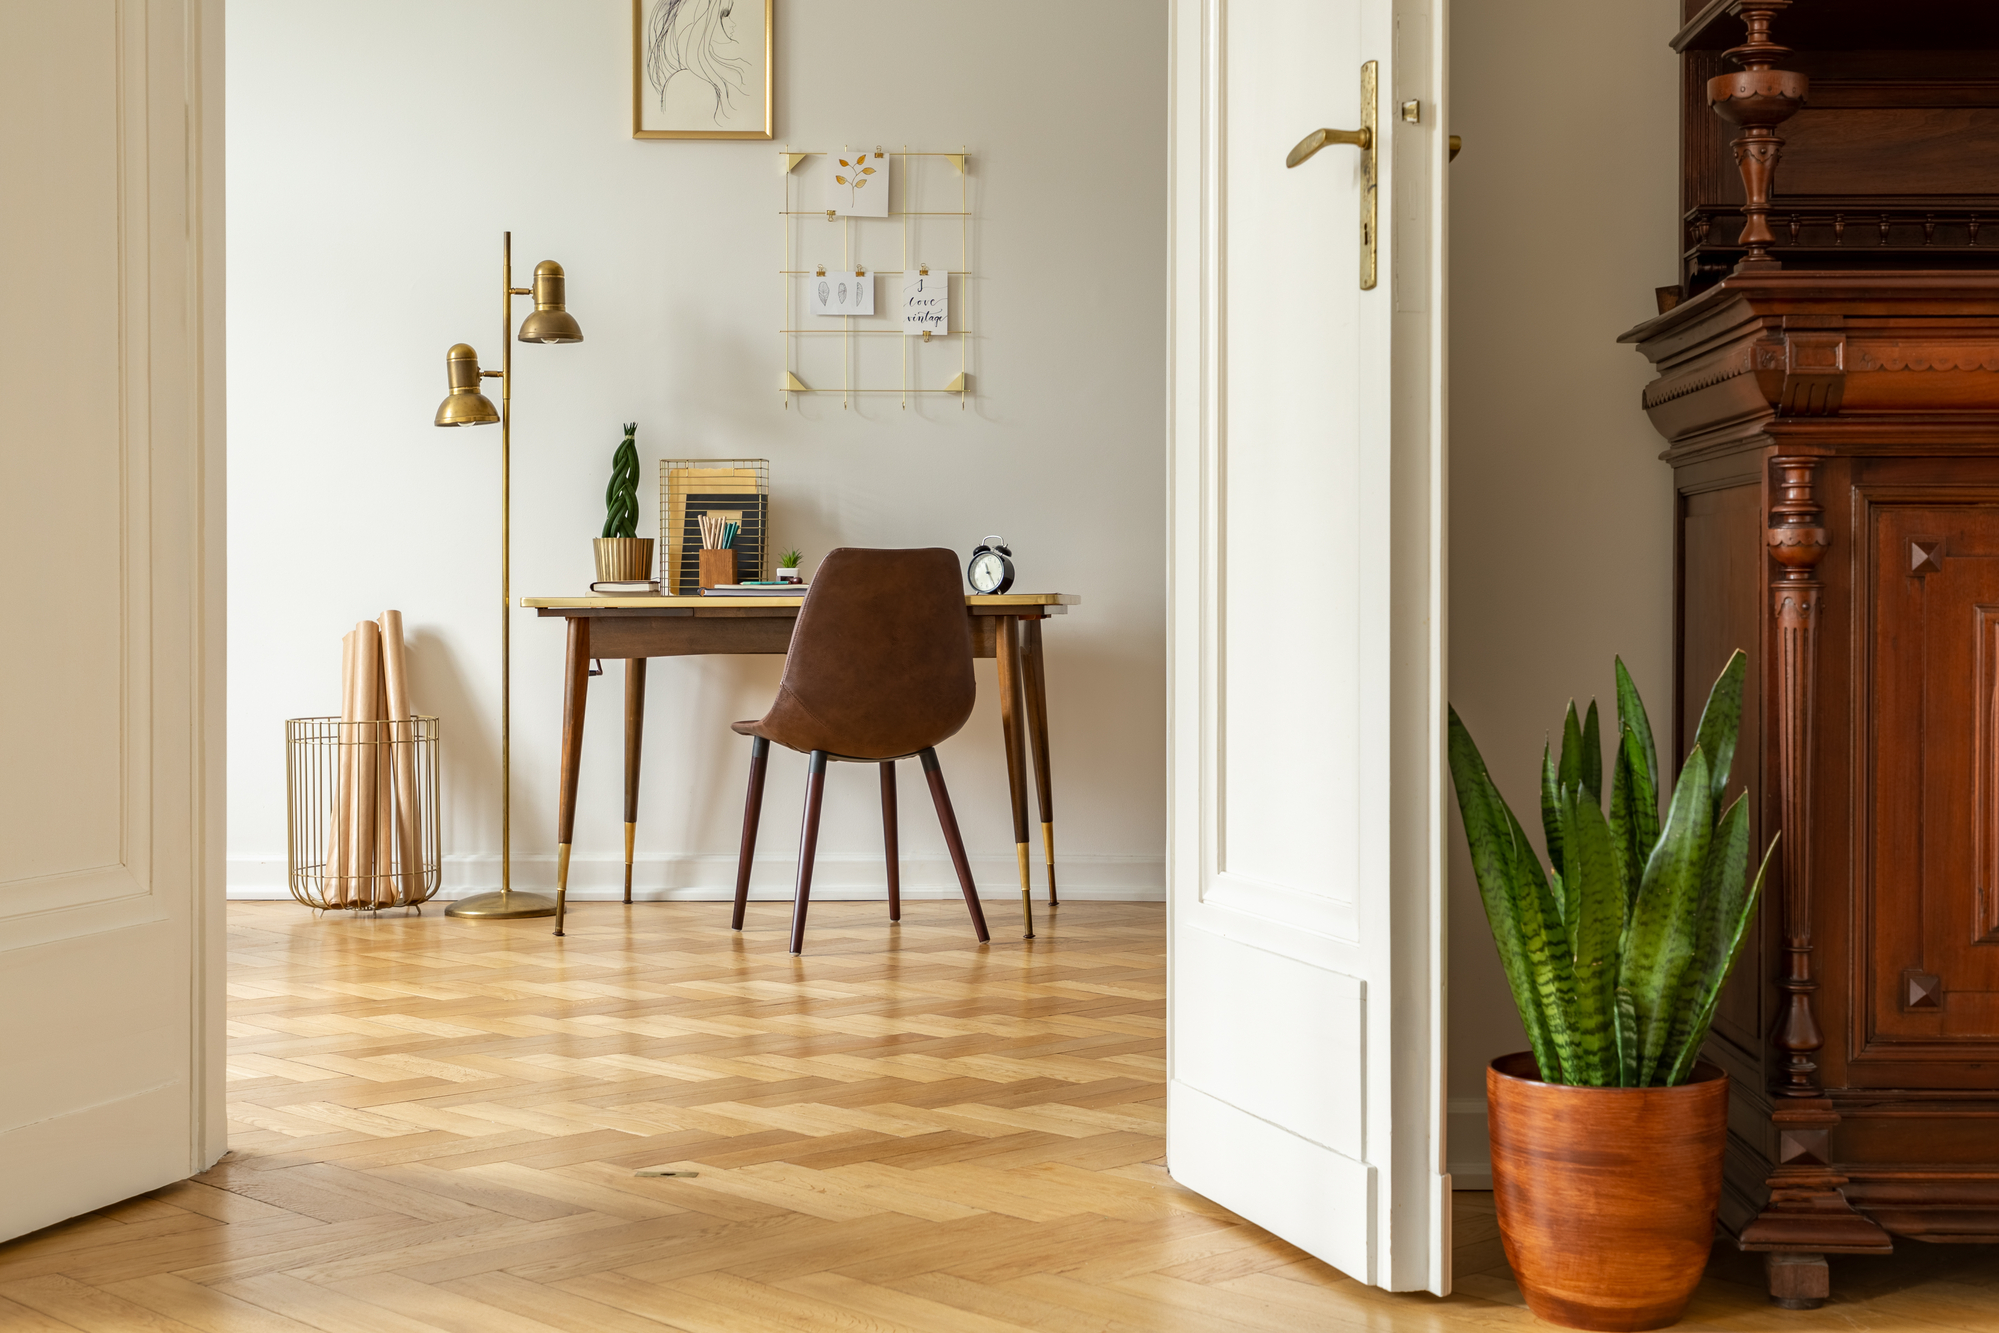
{"type": "Point", "coordinates": [1562, 223]}
{"type": "Point", "coordinates": [375, 159]}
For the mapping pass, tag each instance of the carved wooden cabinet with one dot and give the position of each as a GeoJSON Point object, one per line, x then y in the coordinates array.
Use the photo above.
{"type": "Point", "coordinates": [1829, 394]}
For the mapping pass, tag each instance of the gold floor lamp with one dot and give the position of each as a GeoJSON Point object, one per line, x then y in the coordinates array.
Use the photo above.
{"type": "Point", "coordinates": [466, 406]}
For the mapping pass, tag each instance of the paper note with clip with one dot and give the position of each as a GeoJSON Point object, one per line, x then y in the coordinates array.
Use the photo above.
{"type": "Point", "coordinates": [926, 303]}
{"type": "Point", "coordinates": [843, 293]}
{"type": "Point", "coordinates": [856, 184]}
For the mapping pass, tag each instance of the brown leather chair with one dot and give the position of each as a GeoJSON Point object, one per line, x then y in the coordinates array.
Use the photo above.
{"type": "Point", "coordinates": [880, 669]}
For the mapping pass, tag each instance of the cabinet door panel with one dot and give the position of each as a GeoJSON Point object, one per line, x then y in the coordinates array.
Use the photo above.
{"type": "Point", "coordinates": [1931, 897]}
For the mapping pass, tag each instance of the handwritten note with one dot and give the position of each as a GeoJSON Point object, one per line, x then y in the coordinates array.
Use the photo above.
{"type": "Point", "coordinates": [843, 293]}
{"type": "Point", "coordinates": [926, 303]}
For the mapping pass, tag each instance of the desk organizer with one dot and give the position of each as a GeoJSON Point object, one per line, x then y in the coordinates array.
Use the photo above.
{"type": "Point", "coordinates": [734, 489]}
{"type": "Point", "coordinates": [361, 813]}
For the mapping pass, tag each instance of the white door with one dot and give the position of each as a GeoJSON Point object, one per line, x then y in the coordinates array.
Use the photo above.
{"type": "Point", "coordinates": [111, 578]}
{"type": "Point", "coordinates": [1305, 1016]}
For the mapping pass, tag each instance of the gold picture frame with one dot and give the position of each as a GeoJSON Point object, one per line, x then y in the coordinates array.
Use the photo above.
{"type": "Point", "coordinates": [693, 48]}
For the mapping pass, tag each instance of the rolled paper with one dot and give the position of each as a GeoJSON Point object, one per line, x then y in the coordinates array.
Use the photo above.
{"type": "Point", "coordinates": [402, 750]}
{"type": "Point", "coordinates": [382, 886]}
{"type": "Point", "coordinates": [360, 807]}
{"type": "Point", "coordinates": [337, 868]}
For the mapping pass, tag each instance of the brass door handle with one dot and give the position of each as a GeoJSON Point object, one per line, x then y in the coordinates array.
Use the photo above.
{"type": "Point", "coordinates": [1362, 139]}
{"type": "Point", "coordinates": [1365, 138]}
{"type": "Point", "coordinates": [1457, 146]}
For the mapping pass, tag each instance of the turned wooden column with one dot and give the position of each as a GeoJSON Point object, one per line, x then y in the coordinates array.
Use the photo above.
{"type": "Point", "coordinates": [1807, 1216]}
{"type": "Point", "coordinates": [1757, 99]}
{"type": "Point", "coordinates": [1797, 540]}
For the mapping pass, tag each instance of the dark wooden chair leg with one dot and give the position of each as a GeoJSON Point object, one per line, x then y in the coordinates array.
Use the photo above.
{"type": "Point", "coordinates": [575, 691]}
{"type": "Point", "coordinates": [753, 805]}
{"type": "Point", "coordinates": [1008, 655]}
{"type": "Point", "coordinates": [949, 823]}
{"type": "Point", "coordinates": [889, 842]}
{"type": "Point", "coordinates": [1034, 669]}
{"type": "Point", "coordinates": [808, 844]}
{"type": "Point", "coordinates": [635, 721]}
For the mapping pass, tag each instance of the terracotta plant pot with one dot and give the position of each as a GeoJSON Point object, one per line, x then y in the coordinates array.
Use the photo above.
{"type": "Point", "coordinates": [623, 559]}
{"type": "Point", "coordinates": [1606, 1196]}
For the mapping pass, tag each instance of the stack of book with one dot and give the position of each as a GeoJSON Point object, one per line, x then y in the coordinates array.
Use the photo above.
{"type": "Point", "coordinates": [634, 588]}
{"type": "Point", "coordinates": [771, 588]}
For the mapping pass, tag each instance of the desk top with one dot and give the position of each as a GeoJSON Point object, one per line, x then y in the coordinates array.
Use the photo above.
{"type": "Point", "coordinates": [1000, 604]}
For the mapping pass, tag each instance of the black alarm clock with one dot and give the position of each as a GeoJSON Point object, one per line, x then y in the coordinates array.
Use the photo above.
{"type": "Point", "coordinates": [990, 570]}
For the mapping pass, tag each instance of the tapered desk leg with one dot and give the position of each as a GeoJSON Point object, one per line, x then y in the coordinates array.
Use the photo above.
{"type": "Point", "coordinates": [1033, 667]}
{"type": "Point", "coordinates": [890, 841]}
{"type": "Point", "coordinates": [635, 722]}
{"type": "Point", "coordinates": [1008, 654]}
{"type": "Point", "coordinates": [575, 689]}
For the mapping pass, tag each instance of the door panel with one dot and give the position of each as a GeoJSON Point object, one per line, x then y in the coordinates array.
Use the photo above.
{"type": "Point", "coordinates": [110, 673]}
{"type": "Point", "coordinates": [1933, 946]}
{"type": "Point", "coordinates": [1305, 1017]}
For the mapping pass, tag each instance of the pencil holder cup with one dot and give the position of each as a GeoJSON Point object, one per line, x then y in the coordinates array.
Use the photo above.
{"type": "Point", "coordinates": [717, 567]}
{"type": "Point", "coordinates": [623, 559]}
{"type": "Point", "coordinates": [361, 820]}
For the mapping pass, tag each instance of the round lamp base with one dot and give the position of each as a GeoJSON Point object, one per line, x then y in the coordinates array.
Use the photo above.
{"type": "Point", "coordinates": [503, 905]}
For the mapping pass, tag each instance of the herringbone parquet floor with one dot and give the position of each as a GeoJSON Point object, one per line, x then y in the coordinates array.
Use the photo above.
{"type": "Point", "coordinates": [436, 1125]}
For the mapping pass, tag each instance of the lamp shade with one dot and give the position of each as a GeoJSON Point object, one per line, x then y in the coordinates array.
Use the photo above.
{"type": "Point", "coordinates": [464, 405]}
{"type": "Point", "coordinates": [550, 322]}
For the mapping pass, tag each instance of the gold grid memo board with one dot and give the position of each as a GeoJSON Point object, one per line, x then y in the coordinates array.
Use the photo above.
{"type": "Point", "coordinates": [791, 218]}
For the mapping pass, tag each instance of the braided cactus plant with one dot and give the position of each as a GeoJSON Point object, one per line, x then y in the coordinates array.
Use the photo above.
{"type": "Point", "coordinates": [1617, 952]}
{"type": "Point", "coordinates": [621, 497]}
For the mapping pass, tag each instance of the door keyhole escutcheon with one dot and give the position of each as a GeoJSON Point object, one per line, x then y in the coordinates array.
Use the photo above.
{"type": "Point", "coordinates": [1368, 139]}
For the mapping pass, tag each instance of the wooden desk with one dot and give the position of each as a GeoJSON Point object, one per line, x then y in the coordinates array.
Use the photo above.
{"type": "Point", "coordinates": [1007, 628]}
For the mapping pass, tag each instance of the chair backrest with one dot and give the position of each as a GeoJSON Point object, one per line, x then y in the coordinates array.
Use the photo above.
{"type": "Point", "coordinates": [881, 658]}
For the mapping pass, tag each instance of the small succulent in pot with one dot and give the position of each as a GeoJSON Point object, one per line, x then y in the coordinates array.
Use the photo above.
{"type": "Point", "coordinates": [787, 566]}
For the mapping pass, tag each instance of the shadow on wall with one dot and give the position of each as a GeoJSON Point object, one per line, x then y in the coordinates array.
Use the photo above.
{"type": "Point", "coordinates": [468, 735]}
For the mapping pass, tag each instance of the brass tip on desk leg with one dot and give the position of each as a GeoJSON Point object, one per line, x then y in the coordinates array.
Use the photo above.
{"type": "Point", "coordinates": [631, 831]}
{"type": "Point", "coordinates": [1026, 890]}
{"type": "Point", "coordinates": [561, 884]}
{"type": "Point", "coordinates": [1048, 847]}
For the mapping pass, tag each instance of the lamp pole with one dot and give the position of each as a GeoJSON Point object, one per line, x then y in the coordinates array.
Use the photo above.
{"type": "Point", "coordinates": [466, 406]}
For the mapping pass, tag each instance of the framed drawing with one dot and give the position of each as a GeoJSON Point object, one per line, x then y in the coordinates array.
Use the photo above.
{"type": "Point", "coordinates": [701, 69]}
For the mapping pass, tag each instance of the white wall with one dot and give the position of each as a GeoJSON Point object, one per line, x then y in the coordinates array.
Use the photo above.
{"type": "Point", "coordinates": [375, 157]}
{"type": "Point", "coordinates": [1563, 212]}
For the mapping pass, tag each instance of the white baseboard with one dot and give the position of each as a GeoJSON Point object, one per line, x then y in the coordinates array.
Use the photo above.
{"type": "Point", "coordinates": [1469, 1155]}
{"type": "Point", "coordinates": [713, 878]}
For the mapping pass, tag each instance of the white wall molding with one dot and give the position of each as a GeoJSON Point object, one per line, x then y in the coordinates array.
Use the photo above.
{"type": "Point", "coordinates": [697, 878]}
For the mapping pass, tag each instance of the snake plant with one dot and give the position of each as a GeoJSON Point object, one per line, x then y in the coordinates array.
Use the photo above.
{"type": "Point", "coordinates": [1616, 953]}
{"type": "Point", "coordinates": [621, 497]}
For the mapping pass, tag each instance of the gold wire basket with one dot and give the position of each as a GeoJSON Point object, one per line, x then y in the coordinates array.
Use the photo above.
{"type": "Point", "coordinates": [361, 818]}
{"type": "Point", "coordinates": [737, 489]}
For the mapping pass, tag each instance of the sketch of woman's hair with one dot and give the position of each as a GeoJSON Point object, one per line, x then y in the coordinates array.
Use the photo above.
{"type": "Point", "coordinates": [689, 37]}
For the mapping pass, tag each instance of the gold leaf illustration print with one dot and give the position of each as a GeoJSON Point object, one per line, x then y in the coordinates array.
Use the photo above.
{"type": "Point", "coordinates": [867, 171]}
{"type": "Point", "coordinates": [844, 162]}
{"type": "Point", "coordinates": [841, 179]}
